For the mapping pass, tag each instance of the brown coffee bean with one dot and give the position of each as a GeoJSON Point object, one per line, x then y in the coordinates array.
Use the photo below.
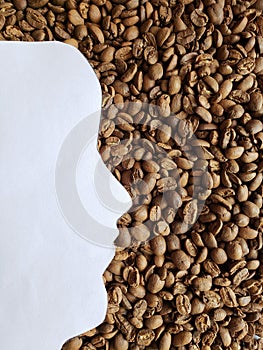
{"type": "Point", "coordinates": [95, 32]}
{"type": "Point", "coordinates": [166, 341]}
{"type": "Point", "coordinates": [182, 338]}
{"type": "Point", "coordinates": [145, 337]}
{"type": "Point", "coordinates": [204, 114]}
{"type": "Point", "coordinates": [211, 268]}
{"type": "Point", "coordinates": [94, 14]}
{"type": "Point", "coordinates": [121, 88]}
{"type": "Point", "coordinates": [151, 55]}
{"type": "Point", "coordinates": [242, 193]}
{"type": "Point", "coordinates": [197, 306]}
{"type": "Point", "coordinates": [215, 13]}
{"type": "Point", "coordinates": [120, 343]}
{"type": "Point", "coordinates": [246, 66]}
{"type": "Point", "coordinates": [181, 260]}
{"type": "Point", "coordinates": [140, 232]}
{"type": "Point", "coordinates": [234, 250]}
{"type": "Point", "coordinates": [250, 209]}
{"type": "Point", "coordinates": [36, 19]}
{"type": "Point", "coordinates": [141, 213]}
{"type": "Point", "coordinates": [225, 336]}
{"type": "Point", "coordinates": [131, 33]}
{"type": "Point", "coordinates": [183, 305]}
{"type": "Point", "coordinates": [199, 18]}
{"type": "Point", "coordinates": [219, 256]}
{"type": "Point", "coordinates": [73, 344]}
{"type": "Point", "coordinates": [150, 166]}
{"type": "Point", "coordinates": [162, 36]}
{"type": "Point", "coordinates": [130, 73]}
{"type": "Point", "coordinates": [154, 322]}
{"type": "Point", "coordinates": [163, 103]}
{"type": "Point", "coordinates": [256, 101]}
{"type": "Point", "coordinates": [186, 36]}
{"type": "Point", "coordinates": [219, 315]}
{"type": "Point", "coordinates": [155, 71]}
{"type": "Point", "coordinates": [202, 284]}
{"type": "Point", "coordinates": [254, 126]}
{"type": "Point", "coordinates": [158, 245]}
{"type": "Point", "coordinates": [241, 220]}
{"type": "Point", "coordinates": [155, 284]}
{"type": "Point", "coordinates": [228, 296]}
{"type": "Point", "coordinates": [234, 152]}
{"type": "Point", "coordinates": [22, 4]}
{"type": "Point", "coordinates": [174, 84]}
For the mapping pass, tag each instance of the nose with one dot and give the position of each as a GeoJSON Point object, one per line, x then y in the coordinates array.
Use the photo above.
{"type": "Point", "coordinates": [110, 191]}
{"type": "Point", "coordinates": [102, 195]}
{"type": "Point", "coordinates": [90, 198]}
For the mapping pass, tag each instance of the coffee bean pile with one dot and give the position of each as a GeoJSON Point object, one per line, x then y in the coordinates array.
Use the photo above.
{"type": "Point", "coordinates": [192, 275]}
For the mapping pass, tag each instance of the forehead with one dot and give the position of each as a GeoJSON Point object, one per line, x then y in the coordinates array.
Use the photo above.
{"type": "Point", "coordinates": [38, 72]}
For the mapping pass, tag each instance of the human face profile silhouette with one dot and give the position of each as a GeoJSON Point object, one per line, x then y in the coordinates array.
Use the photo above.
{"type": "Point", "coordinates": [55, 241]}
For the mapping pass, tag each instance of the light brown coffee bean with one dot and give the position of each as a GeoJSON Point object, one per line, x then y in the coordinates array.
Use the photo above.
{"type": "Point", "coordinates": [162, 36]}
{"type": "Point", "coordinates": [120, 343]}
{"type": "Point", "coordinates": [158, 245]}
{"type": "Point", "coordinates": [256, 101]}
{"type": "Point", "coordinates": [141, 213]}
{"type": "Point", "coordinates": [154, 322]}
{"type": "Point", "coordinates": [73, 344]}
{"type": "Point", "coordinates": [150, 55]}
{"type": "Point", "coordinates": [130, 73]}
{"type": "Point", "coordinates": [242, 193]}
{"type": "Point", "coordinates": [250, 209]}
{"type": "Point", "coordinates": [145, 337]}
{"type": "Point", "coordinates": [174, 84]}
{"type": "Point", "coordinates": [241, 220]}
{"type": "Point", "coordinates": [166, 341]}
{"type": "Point", "coordinates": [182, 338]}
{"type": "Point", "coordinates": [197, 306]}
{"type": "Point", "coordinates": [234, 152]}
{"type": "Point", "coordinates": [219, 315]}
{"type": "Point", "coordinates": [94, 14]}
{"type": "Point", "coordinates": [155, 284]}
{"type": "Point", "coordinates": [36, 19]}
{"type": "Point", "coordinates": [246, 66]}
{"type": "Point", "coordinates": [2, 21]}
{"type": "Point", "coordinates": [186, 36]}
{"type": "Point", "coordinates": [140, 232]}
{"type": "Point", "coordinates": [225, 336]}
{"type": "Point", "coordinates": [22, 4]}
{"type": "Point", "coordinates": [211, 268]}
{"type": "Point", "coordinates": [254, 126]}
{"type": "Point", "coordinates": [150, 166]}
{"type": "Point", "coordinates": [183, 305]}
{"type": "Point", "coordinates": [219, 256]}
{"type": "Point", "coordinates": [215, 13]}
{"type": "Point", "coordinates": [121, 88]}
{"type": "Point", "coordinates": [163, 103]}
{"type": "Point", "coordinates": [181, 260]}
{"type": "Point", "coordinates": [202, 284]}
{"type": "Point", "coordinates": [234, 250]}
{"type": "Point", "coordinates": [155, 71]}
{"type": "Point", "coordinates": [131, 33]}
{"type": "Point", "coordinates": [204, 114]}
{"type": "Point", "coordinates": [228, 296]}
{"type": "Point", "coordinates": [95, 32]}
{"type": "Point", "coordinates": [199, 18]}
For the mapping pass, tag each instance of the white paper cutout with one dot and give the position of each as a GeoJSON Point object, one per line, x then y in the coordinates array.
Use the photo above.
{"type": "Point", "coordinates": [51, 278]}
